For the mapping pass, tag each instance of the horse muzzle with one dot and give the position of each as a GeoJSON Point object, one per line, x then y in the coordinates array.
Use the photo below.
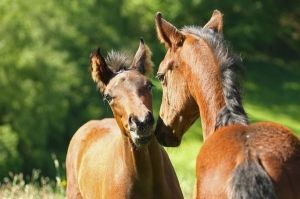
{"type": "Point", "coordinates": [141, 131]}
{"type": "Point", "coordinates": [165, 135]}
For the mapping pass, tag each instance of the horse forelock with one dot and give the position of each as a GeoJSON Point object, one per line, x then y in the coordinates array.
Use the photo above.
{"type": "Point", "coordinates": [233, 111]}
{"type": "Point", "coordinates": [118, 61]}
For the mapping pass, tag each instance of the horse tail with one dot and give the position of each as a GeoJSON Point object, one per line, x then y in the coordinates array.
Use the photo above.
{"type": "Point", "coordinates": [250, 181]}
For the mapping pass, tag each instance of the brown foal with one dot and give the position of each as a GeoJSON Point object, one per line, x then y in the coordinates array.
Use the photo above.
{"type": "Point", "coordinates": [121, 158]}
{"type": "Point", "coordinates": [238, 160]}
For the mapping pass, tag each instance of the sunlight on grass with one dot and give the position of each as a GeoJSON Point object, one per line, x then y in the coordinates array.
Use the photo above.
{"type": "Point", "coordinates": [184, 159]}
{"type": "Point", "coordinates": [258, 113]}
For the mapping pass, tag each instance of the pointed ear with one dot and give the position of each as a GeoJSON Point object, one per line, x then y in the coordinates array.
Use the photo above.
{"type": "Point", "coordinates": [167, 33]}
{"type": "Point", "coordinates": [142, 59]}
{"type": "Point", "coordinates": [100, 72]}
{"type": "Point", "coordinates": [216, 22]}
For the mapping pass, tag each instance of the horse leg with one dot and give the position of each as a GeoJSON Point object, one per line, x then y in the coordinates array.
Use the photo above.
{"type": "Point", "coordinates": [73, 193]}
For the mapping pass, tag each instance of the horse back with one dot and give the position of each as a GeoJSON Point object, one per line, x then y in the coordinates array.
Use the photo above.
{"type": "Point", "coordinates": [238, 155]}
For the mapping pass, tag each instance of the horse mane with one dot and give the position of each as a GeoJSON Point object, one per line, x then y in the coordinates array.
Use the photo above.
{"type": "Point", "coordinates": [118, 61]}
{"type": "Point", "coordinates": [231, 64]}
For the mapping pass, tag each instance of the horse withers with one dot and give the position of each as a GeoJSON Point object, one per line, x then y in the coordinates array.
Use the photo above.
{"type": "Point", "coordinates": [237, 160]}
{"type": "Point", "coordinates": [119, 157]}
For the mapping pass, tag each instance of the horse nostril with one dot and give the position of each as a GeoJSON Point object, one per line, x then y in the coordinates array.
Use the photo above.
{"type": "Point", "coordinates": [133, 122]}
{"type": "Point", "coordinates": [130, 119]}
{"type": "Point", "coordinates": [149, 119]}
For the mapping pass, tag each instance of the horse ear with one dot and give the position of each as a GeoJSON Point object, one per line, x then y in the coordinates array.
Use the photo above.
{"type": "Point", "coordinates": [167, 33]}
{"type": "Point", "coordinates": [100, 72]}
{"type": "Point", "coordinates": [142, 59]}
{"type": "Point", "coordinates": [216, 22]}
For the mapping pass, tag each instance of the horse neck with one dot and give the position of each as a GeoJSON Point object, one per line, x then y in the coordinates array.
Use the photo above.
{"type": "Point", "coordinates": [206, 89]}
{"type": "Point", "coordinates": [143, 163]}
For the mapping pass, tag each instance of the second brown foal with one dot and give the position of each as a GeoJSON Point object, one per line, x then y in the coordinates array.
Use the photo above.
{"type": "Point", "coordinates": [237, 160]}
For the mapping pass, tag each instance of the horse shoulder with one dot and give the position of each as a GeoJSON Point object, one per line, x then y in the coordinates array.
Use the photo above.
{"type": "Point", "coordinates": [88, 133]}
{"type": "Point", "coordinates": [89, 152]}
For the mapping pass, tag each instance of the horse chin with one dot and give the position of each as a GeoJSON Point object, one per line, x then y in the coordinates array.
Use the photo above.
{"type": "Point", "coordinates": [140, 141]}
{"type": "Point", "coordinates": [165, 135]}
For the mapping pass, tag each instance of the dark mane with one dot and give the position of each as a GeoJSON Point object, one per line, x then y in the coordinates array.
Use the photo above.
{"type": "Point", "coordinates": [233, 112]}
{"type": "Point", "coordinates": [118, 61]}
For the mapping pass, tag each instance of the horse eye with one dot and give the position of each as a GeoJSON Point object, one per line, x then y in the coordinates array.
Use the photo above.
{"type": "Point", "coordinates": [107, 98]}
{"type": "Point", "coordinates": [160, 77]}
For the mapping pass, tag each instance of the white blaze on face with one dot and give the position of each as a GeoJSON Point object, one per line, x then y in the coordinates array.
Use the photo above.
{"type": "Point", "coordinates": [121, 77]}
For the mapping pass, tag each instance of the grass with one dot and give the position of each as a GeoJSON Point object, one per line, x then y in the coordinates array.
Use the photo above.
{"type": "Point", "coordinates": [272, 93]}
{"type": "Point", "coordinates": [16, 187]}
{"type": "Point", "coordinates": [184, 159]}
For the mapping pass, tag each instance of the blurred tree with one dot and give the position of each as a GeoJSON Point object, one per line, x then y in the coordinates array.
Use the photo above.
{"type": "Point", "coordinates": [10, 158]}
{"type": "Point", "coordinates": [36, 80]}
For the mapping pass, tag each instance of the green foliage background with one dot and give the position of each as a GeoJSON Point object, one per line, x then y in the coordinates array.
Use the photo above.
{"type": "Point", "coordinates": [45, 89]}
